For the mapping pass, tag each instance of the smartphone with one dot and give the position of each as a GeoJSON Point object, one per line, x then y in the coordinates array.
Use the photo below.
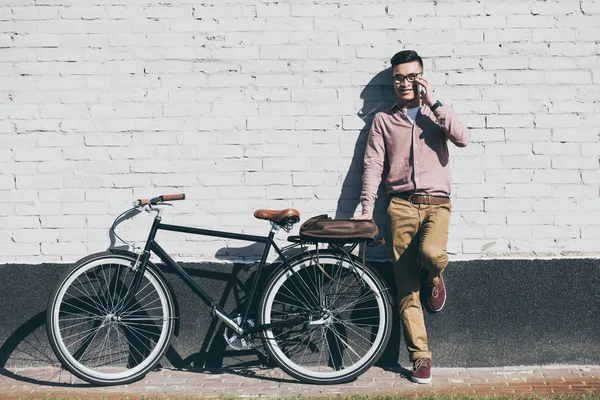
{"type": "Point", "coordinates": [421, 89]}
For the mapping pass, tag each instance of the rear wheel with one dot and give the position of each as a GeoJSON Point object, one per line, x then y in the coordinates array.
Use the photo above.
{"type": "Point", "coordinates": [347, 315]}
{"type": "Point", "coordinates": [98, 337]}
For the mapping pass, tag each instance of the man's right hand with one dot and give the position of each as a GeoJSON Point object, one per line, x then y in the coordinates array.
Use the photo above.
{"type": "Point", "coordinates": [364, 216]}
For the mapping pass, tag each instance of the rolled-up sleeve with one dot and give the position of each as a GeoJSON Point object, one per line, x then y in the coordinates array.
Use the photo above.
{"type": "Point", "coordinates": [456, 132]}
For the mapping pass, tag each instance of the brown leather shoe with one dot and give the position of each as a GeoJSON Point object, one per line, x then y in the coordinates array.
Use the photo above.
{"type": "Point", "coordinates": [436, 296]}
{"type": "Point", "coordinates": [421, 372]}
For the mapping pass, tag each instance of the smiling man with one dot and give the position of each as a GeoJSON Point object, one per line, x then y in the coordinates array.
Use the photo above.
{"type": "Point", "coordinates": [411, 137]}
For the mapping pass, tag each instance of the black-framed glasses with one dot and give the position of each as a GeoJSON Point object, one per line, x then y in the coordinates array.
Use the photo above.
{"type": "Point", "coordinates": [399, 79]}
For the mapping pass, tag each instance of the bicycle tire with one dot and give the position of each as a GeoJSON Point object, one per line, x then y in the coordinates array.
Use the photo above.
{"type": "Point", "coordinates": [95, 335]}
{"type": "Point", "coordinates": [350, 316]}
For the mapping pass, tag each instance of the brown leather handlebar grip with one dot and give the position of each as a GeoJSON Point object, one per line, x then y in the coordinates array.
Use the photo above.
{"type": "Point", "coordinates": [172, 197]}
{"type": "Point", "coordinates": [156, 200]}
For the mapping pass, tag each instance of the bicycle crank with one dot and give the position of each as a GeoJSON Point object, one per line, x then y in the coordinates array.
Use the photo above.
{"type": "Point", "coordinates": [241, 342]}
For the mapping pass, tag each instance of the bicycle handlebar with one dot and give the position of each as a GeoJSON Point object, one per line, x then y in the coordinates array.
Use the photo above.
{"type": "Point", "coordinates": [156, 200]}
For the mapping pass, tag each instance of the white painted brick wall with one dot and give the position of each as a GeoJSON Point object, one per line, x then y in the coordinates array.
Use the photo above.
{"type": "Point", "coordinates": [246, 104]}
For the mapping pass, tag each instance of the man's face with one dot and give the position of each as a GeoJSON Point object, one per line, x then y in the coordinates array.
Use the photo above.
{"type": "Point", "coordinates": [402, 74]}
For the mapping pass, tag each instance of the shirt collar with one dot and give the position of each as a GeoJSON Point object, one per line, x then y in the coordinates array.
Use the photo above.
{"type": "Point", "coordinates": [396, 107]}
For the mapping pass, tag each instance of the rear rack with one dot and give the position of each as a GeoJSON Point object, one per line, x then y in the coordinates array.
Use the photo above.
{"type": "Point", "coordinates": [341, 242]}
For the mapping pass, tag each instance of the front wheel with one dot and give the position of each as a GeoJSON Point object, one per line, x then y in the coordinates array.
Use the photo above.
{"type": "Point", "coordinates": [98, 337]}
{"type": "Point", "coordinates": [346, 316]}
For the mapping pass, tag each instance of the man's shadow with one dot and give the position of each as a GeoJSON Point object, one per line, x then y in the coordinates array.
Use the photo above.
{"type": "Point", "coordinates": [378, 95]}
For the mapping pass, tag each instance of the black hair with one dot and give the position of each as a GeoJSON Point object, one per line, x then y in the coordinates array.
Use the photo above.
{"type": "Point", "coordinates": [406, 56]}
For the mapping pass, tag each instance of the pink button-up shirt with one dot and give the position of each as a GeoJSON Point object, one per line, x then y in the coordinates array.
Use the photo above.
{"type": "Point", "coordinates": [416, 153]}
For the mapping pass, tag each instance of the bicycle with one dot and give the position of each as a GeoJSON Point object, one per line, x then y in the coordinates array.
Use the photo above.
{"type": "Point", "coordinates": [324, 317]}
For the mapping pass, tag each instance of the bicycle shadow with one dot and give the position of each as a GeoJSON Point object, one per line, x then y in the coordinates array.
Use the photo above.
{"type": "Point", "coordinates": [28, 344]}
{"type": "Point", "coordinates": [213, 349]}
{"type": "Point", "coordinates": [29, 338]}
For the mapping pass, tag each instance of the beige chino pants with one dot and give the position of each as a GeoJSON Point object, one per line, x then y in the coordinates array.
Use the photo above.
{"type": "Point", "coordinates": [419, 237]}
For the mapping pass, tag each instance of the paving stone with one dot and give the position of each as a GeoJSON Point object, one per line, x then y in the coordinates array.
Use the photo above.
{"type": "Point", "coordinates": [261, 382]}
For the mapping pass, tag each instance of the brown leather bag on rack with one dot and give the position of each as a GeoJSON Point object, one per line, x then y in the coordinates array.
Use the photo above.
{"type": "Point", "coordinates": [324, 229]}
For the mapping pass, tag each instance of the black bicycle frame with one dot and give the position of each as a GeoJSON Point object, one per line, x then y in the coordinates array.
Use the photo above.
{"type": "Point", "coordinates": [153, 246]}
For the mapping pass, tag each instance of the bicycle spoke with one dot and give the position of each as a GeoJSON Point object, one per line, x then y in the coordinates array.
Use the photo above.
{"type": "Point", "coordinates": [362, 298]}
{"type": "Point", "coordinates": [350, 327]}
{"type": "Point", "coordinates": [140, 311]}
{"type": "Point", "coordinates": [140, 307]}
{"type": "Point", "coordinates": [297, 344]}
{"type": "Point", "coordinates": [343, 284]}
{"type": "Point", "coordinates": [313, 283]}
{"type": "Point", "coordinates": [132, 346]}
{"type": "Point", "coordinates": [340, 339]}
{"type": "Point", "coordinates": [307, 302]}
{"type": "Point", "coordinates": [141, 331]}
{"type": "Point", "coordinates": [78, 318]}
{"type": "Point", "coordinates": [81, 333]}
{"type": "Point", "coordinates": [329, 353]}
{"type": "Point", "coordinates": [138, 301]}
{"type": "Point", "coordinates": [121, 345]}
{"type": "Point", "coordinates": [123, 298]}
{"type": "Point", "coordinates": [79, 308]}
{"type": "Point", "coordinates": [104, 346]}
{"type": "Point", "coordinates": [309, 337]}
{"type": "Point", "coordinates": [347, 328]}
{"type": "Point", "coordinates": [95, 304]}
{"type": "Point", "coordinates": [346, 344]}
{"type": "Point", "coordinates": [289, 304]}
{"type": "Point", "coordinates": [337, 343]}
{"type": "Point", "coordinates": [95, 291]}
{"type": "Point", "coordinates": [301, 303]}
{"type": "Point", "coordinates": [362, 308]}
{"type": "Point", "coordinates": [323, 339]}
{"type": "Point", "coordinates": [80, 323]}
{"type": "Point", "coordinates": [148, 318]}
{"type": "Point", "coordinates": [97, 350]}
{"type": "Point", "coordinates": [116, 281]}
{"type": "Point", "coordinates": [88, 345]}
{"type": "Point", "coordinates": [137, 334]}
{"type": "Point", "coordinates": [106, 282]}
{"type": "Point", "coordinates": [141, 324]}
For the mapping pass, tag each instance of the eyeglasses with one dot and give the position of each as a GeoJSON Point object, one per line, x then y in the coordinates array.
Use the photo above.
{"type": "Point", "coordinates": [399, 79]}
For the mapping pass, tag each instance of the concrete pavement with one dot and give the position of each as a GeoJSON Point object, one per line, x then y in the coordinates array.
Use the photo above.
{"type": "Point", "coordinates": [272, 383]}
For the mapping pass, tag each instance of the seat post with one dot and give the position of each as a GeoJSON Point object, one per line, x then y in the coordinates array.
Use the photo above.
{"type": "Point", "coordinates": [274, 228]}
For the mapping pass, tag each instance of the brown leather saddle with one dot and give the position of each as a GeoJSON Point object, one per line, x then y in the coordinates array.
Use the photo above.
{"type": "Point", "coordinates": [279, 217]}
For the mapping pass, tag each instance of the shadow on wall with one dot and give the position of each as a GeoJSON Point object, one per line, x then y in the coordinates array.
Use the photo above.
{"type": "Point", "coordinates": [24, 343]}
{"type": "Point", "coordinates": [377, 95]}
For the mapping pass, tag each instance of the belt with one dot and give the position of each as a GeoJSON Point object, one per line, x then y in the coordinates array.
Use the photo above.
{"type": "Point", "coordinates": [423, 198]}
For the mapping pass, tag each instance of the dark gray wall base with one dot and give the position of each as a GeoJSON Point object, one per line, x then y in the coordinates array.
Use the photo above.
{"type": "Point", "coordinates": [499, 313]}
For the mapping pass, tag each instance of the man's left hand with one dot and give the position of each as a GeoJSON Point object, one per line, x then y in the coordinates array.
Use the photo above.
{"type": "Point", "coordinates": [428, 99]}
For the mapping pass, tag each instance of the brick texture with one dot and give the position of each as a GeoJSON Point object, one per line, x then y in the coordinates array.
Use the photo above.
{"type": "Point", "coordinates": [246, 104]}
{"type": "Point", "coordinates": [530, 382]}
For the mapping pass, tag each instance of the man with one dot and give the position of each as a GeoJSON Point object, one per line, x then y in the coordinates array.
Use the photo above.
{"type": "Point", "coordinates": [411, 137]}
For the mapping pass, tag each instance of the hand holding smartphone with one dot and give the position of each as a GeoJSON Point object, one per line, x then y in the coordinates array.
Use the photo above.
{"type": "Point", "coordinates": [423, 90]}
